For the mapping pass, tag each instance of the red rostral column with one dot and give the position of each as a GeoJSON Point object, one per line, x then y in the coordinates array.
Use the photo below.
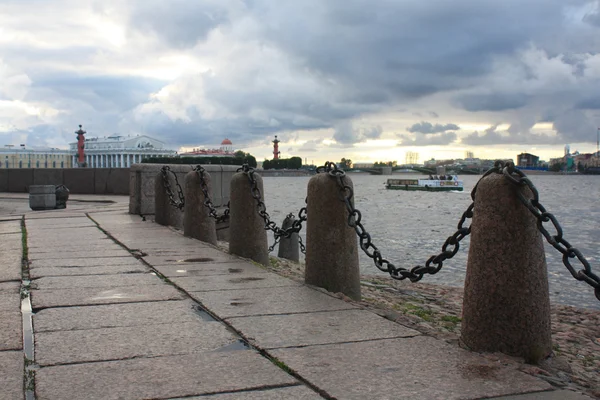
{"type": "Point", "coordinates": [276, 151]}
{"type": "Point", "coordinates": [80, 146]}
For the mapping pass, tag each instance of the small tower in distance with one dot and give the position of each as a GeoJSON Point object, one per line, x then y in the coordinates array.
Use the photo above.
{"type": "Point", "coordinates": [276, 151]}
{"type": "Point", "coordinates": [80, 147]}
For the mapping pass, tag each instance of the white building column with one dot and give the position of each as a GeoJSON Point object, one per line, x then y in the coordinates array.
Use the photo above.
{"type": "Point", "coordinates": [122, 161]}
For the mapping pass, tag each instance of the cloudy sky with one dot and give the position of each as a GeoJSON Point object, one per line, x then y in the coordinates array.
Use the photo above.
{"type": "Point", "coordinates": [366, 80]}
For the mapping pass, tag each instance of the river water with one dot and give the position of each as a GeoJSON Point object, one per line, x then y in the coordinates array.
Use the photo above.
{"type": "Point", "coordinates": [409, 227]}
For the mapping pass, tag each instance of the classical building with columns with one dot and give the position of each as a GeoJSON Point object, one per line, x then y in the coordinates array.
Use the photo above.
{"type": "Point", "coordinates": [119, 151]}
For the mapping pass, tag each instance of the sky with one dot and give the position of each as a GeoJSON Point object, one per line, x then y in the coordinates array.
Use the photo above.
{"type": "Point", "coordinates": [365, 80]}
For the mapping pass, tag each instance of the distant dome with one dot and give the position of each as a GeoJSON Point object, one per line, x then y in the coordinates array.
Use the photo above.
{"type": "Point", "coordinates": [226, 142]}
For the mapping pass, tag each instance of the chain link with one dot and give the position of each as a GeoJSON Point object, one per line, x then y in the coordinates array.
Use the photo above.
{"type": "Point", "coordinates": [518, 178]}
{"type": "Point", "coordinates": [207, 201]}
{"type": "Point", "coordinates": [262, 210]}
{"type": "Point", "coordinates": [434, 263]}
{"type": "Point", "coordinates": [167, 184]}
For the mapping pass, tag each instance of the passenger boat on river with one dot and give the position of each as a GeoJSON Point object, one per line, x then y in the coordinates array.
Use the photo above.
{"type": "Point", "coordinates": [443, 183]}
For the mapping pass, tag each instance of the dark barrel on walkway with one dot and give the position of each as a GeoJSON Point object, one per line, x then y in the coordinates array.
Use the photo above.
{"type": "Point", "coordinates": [506, 304]}
{"type": "Point", "coordinates": [331, 245]}
{"type": "Point", "coordinates": [197, 222]}
{"type": "Point", "coordinates": [247, 235]}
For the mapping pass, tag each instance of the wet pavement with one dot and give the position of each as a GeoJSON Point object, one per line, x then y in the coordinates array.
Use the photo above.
{"type": "Point", "coordinates": [127, 309]}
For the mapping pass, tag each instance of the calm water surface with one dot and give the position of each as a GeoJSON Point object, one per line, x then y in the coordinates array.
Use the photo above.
{"type": "Point", "coordinates": [409, 227]}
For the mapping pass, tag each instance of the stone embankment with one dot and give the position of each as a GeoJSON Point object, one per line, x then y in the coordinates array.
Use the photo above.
{"type": "Point", "coordinates": [435, 310]}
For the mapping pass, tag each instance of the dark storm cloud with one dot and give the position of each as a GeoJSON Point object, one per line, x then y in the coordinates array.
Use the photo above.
{"type": "Point", "coordinates": [493, 102]}
{"type": "Point", "coordinates": [180, 23]}
{"type": "Point", "coordinates": [428, 127]}
{"type": "Point", "coordinates": [346, 134]}
{"type": "Point", "coordinates": [282, 66]}
{"type": "Point", "coordinates": [593, 17]}
{"type": "Point", "coordinates": [440, 139]}
{"type": "Point", "coordinates": [492, 136]}
{"type": "Point", "coordinates": [102, 93]}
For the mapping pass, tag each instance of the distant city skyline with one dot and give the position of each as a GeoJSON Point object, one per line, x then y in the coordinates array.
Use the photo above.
{"type": "Point", "coordinates": [362, 80]}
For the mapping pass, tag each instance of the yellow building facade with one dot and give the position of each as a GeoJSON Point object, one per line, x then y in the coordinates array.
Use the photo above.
{"type": "Point", "coordinates": [26, 158]}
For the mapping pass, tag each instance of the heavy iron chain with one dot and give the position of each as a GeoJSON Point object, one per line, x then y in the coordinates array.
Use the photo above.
{"type": "Point", "coordinates": [165, 174]}
{"type": "Point", "coordinates": [207, 201]}
{"type": "Point", "coordinates": [302, 246]}
{"type": "Point", "coordinates": [415, 274]}
{"type": "Point", "coordinates": [518, 178]}
{"type": "Point", "coordinates": [262, 210]}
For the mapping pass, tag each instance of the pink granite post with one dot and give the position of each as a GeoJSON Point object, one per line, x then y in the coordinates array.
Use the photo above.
{"type": "Point", "coordinates": [506, 304]}
{"type": "Point", "coordinates": [247, 235]}
{"type": "Point", "coordinates": [331, 245]}
{"type": "Point", "coordinates": [197, 222]}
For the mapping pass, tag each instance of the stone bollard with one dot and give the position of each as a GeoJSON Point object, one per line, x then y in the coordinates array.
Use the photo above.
{"type": "Point", "coordinates": [247, 235]}
{"type": "Point", "coordinates": [506, 304]}
{"type": "Point", "coordinates": [197, 222]}
{"type": "Point", "coordinates": [161, 201]}
{"type": "Point", "coordinates": [62, 195]}
{"type": "Point", "coordinates": [331, 245]}
{"type": "Point", "coordinates": [288, 246]}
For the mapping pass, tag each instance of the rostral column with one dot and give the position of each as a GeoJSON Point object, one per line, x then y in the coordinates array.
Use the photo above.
{"type": "Point", "coordinates": [276, 151]}
{"type": "Point", "coordinates": [80, 147]}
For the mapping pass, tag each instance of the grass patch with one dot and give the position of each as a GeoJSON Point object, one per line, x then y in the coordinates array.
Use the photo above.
{"type": "Point", "coordinates": [282, 365]}
{"type": "Point", "coordinates": [423, 313]}
{"type": "Point", "coordinates": [451, 318]}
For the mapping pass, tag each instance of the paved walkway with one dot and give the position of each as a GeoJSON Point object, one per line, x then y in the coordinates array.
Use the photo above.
{"type": "Point", "coordinates": [128, 309]}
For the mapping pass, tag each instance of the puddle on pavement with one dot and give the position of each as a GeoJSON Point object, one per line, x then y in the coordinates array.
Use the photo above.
{"type": "Point", "coordinates": [203, 314]}
{"type": "Point", "coordinates": [235, 346]}
{"type": "Point", "coordinates": [240, 303]}
{"type": "Point", "coordinates": [248, 279]}
{"type": "Point", "coordinates": [199, 259]}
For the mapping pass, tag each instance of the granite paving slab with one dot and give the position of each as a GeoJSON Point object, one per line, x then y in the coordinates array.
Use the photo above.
{"type": "Point", "coordinates": [161, 377]}
{"type": "Point", "coordinates": [272, 331]}
{"type": "Point", "coordinates": [291, 393]}
{"type": "Point", "coordinates": [66, 282]}
{"type": "Point", "coordinates": [50, 244]}
{"type": "Point", "coordinates": [115, 315]}
{"type": "Point", "coordinates": [238, 268]}
{"type": "Point", "coordinates": [553, 395]}
{"type": "Point", "coordinates": [78, 219]}
{"type": "Point", "coordinates": [87, 296]}
{"type": "Point", "coordinates": [62, 224]}
{"type": "Point", "coordinates": [69, 271]}
{"type": "Point", "coordinates": [10, 242]}
{"type": "Point", "coordinates": [410, 368]}
{"type": "Point", "coordinates": [228, 282]}
{"type": "Point", "coordinates": [82, 262]}
{"type": "Point", "coordinates": [114, 251]}
{"type": "Point", "coordinates": [280, 300]}
{"type": "Point", "coordinates": [118, 343]}
{"type": "Point", "coordinates": [10, 265]}
{"type": "Point", "coordinates": [11, 375]}
{"type": "Point", "coordinates": [10, 227]}
{"type": "Point", "coordinates": [10, 299]}
{"type": "Point", "coordinates": [11, 330]}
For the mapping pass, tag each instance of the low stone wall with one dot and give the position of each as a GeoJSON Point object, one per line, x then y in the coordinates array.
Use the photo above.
{"type": "Point", "coordinates": [77, 180]}
{"type": "Point", "coordinates": [142, 178]}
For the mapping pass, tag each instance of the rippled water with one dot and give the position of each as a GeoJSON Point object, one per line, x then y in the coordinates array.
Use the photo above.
{"type": "Point", "coordinates": [409, 227]}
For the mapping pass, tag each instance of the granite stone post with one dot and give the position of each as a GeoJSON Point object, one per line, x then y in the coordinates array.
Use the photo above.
{"type": "Point", "coordinates": [247, 235]}
{"type": "Point", "coordinates": [331, 245]}
{"type": "Point", "coordinates": [161, 201]}
{"type": "Point", "coordinates": [506, 305]}
{"type": "Point", "coordinates": [288, 246]}
{"type": "Point", "coordinates": [197, 222]}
